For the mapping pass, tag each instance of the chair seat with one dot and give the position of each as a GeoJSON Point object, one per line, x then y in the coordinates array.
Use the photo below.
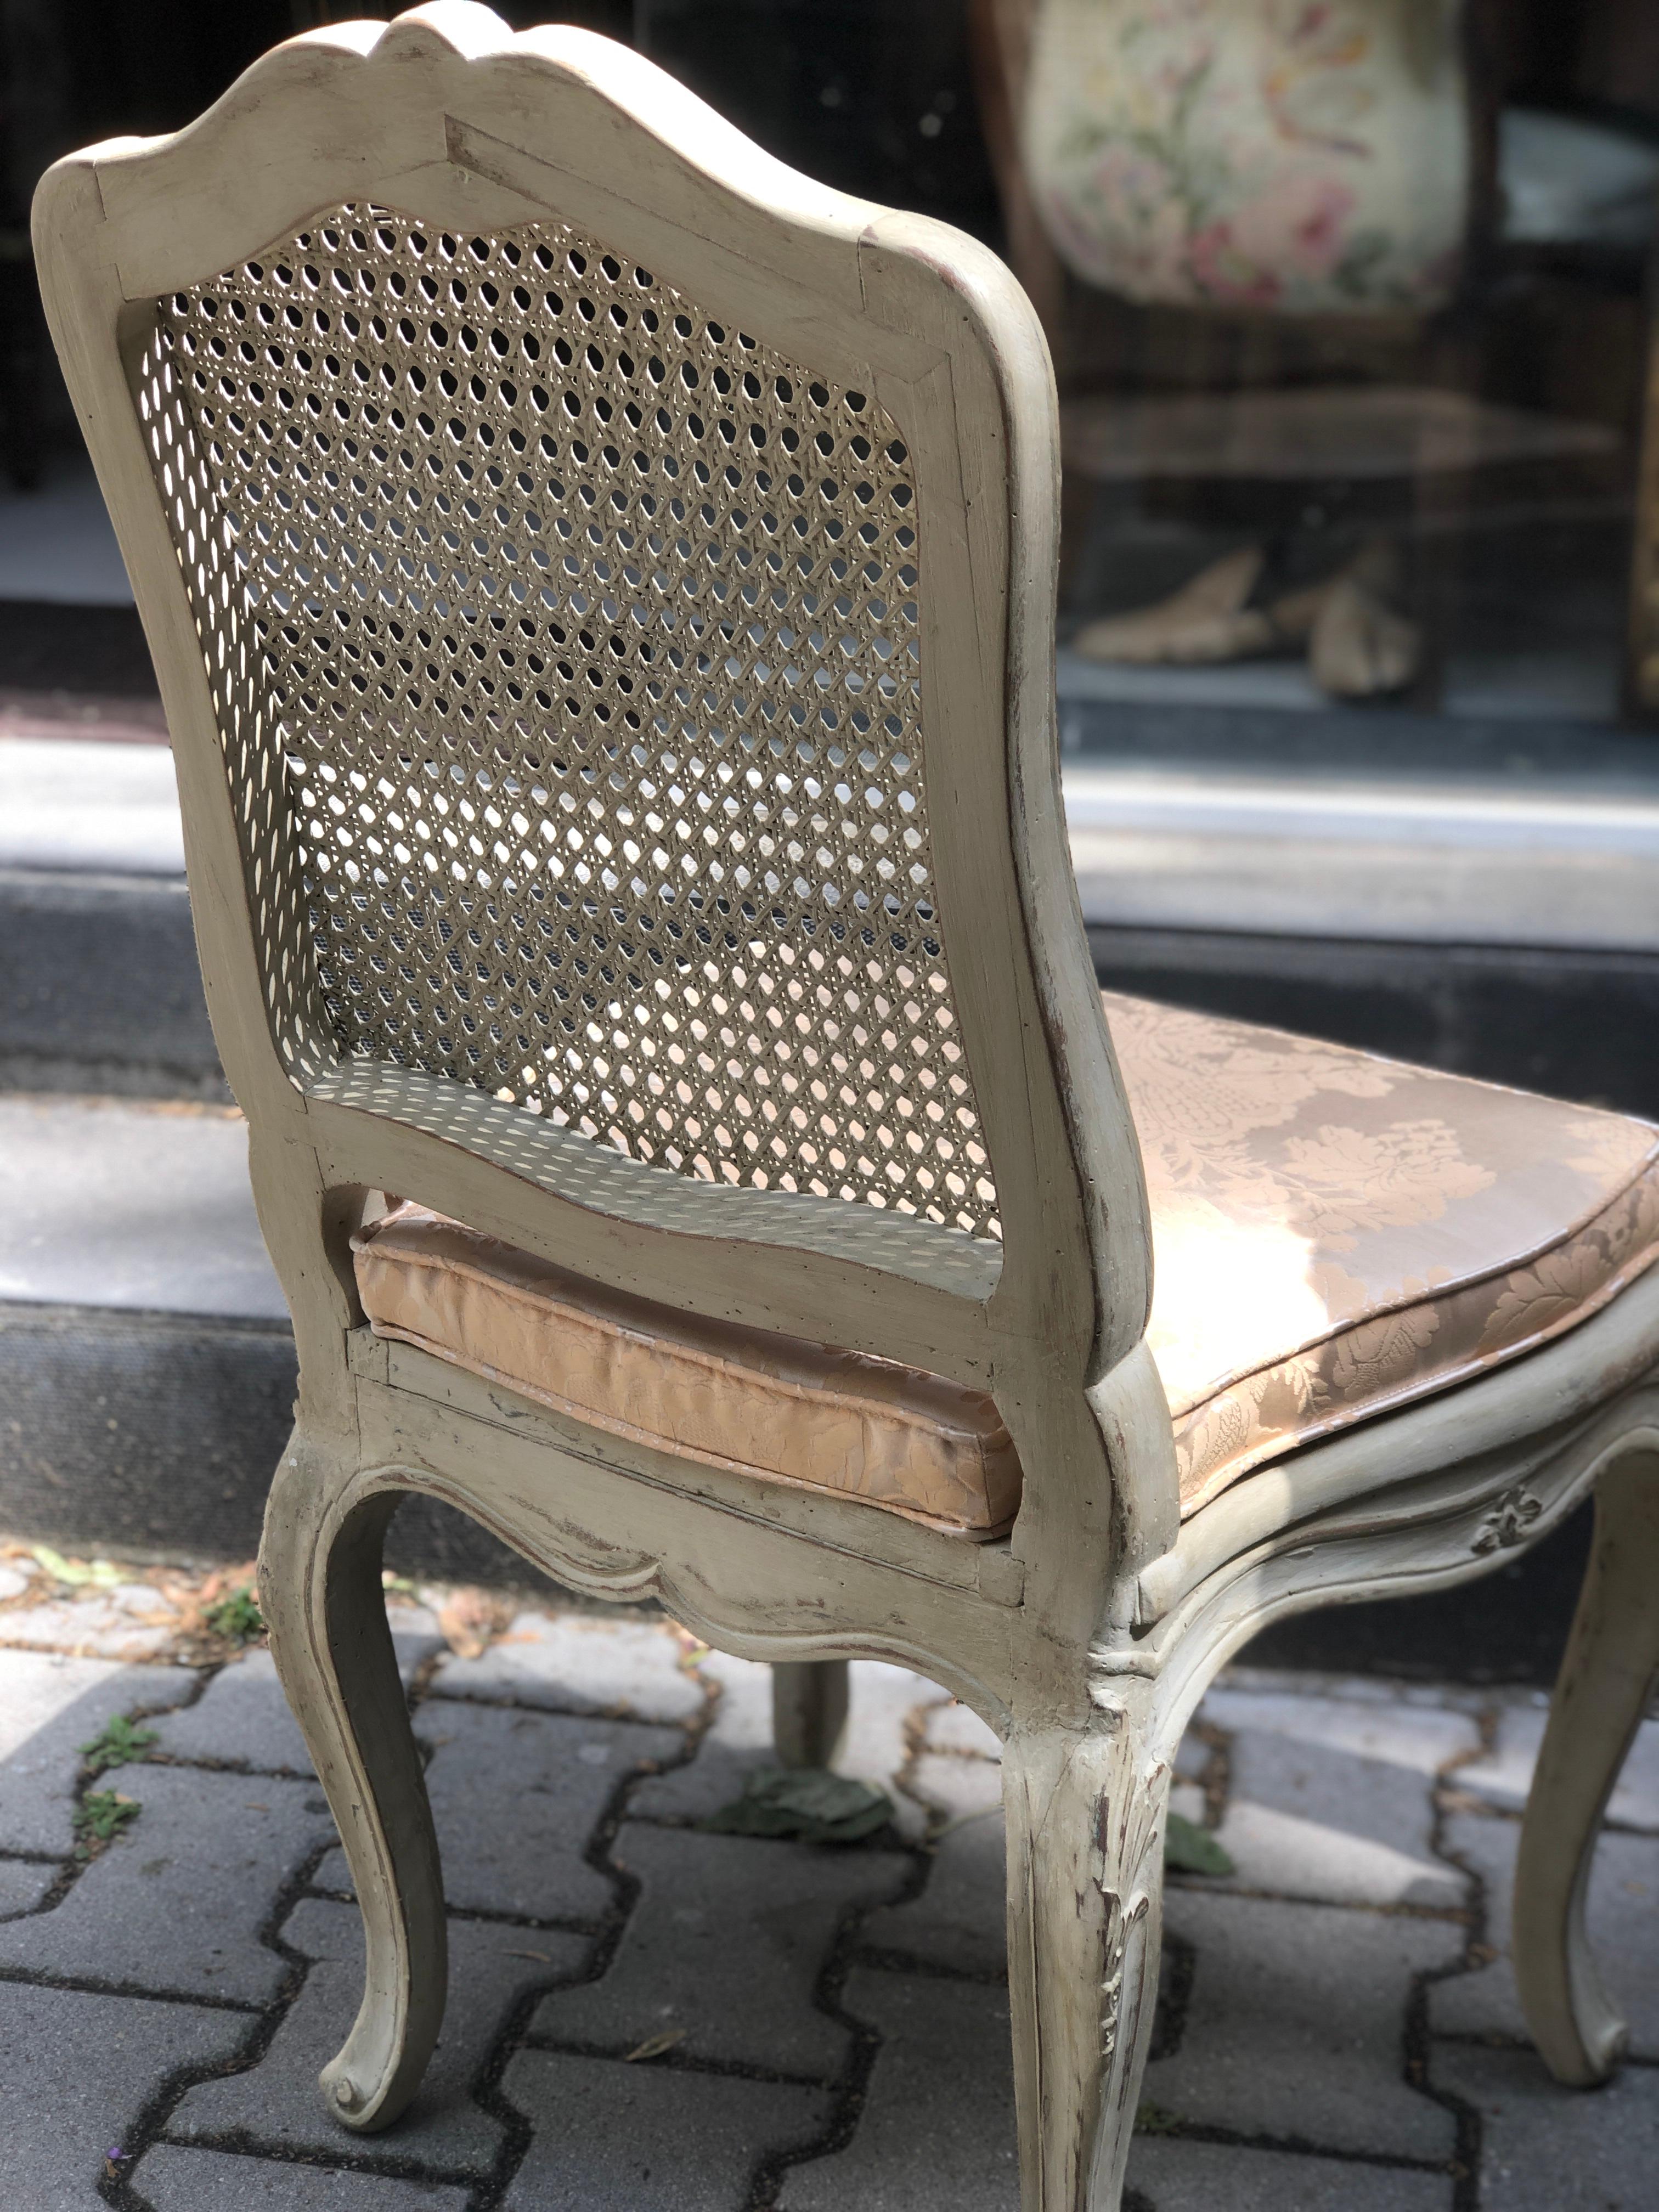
{"type": "Point", "coordinates": [764, 1405]}
{"type": "Point", "coordinates": [1333, 1235]}
{"type": "Point", "coordinates": [1336, 1235]}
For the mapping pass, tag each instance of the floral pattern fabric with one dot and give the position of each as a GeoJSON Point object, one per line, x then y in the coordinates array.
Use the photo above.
{"type": "Point", "coordinates": [1299, 155]}
{"type": "Point", "coordinates": [1335, 1235]}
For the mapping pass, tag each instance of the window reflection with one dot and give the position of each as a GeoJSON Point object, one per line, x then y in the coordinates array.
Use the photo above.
{"type": "Point", "coordinates": [1347, 298]}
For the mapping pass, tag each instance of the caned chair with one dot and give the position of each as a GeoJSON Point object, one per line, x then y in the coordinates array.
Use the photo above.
{"type": "Point", "coordinates": [602, 586]}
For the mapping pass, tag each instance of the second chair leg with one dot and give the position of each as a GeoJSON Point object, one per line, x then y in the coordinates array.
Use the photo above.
{"type": "Point", "coordinates": [319, 1588]}
{"type": "Point", "coordinates": [1605, 1684]}
{"type": "Point", "coordinates": [809, 1710]}
{"type": "Point", "coordinates": [1085, 1908]}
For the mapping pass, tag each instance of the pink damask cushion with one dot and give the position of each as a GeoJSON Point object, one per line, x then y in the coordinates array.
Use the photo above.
{"type": "Point", "coordinates": [1335, 1235]}
{"type": "Point", "coordinates": [870, 1428]}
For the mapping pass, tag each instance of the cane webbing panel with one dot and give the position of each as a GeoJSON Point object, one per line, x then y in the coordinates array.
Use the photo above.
{"type": "Point", "coordinates": [564, 646]}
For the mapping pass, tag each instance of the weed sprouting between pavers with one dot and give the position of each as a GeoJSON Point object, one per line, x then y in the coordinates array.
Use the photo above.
{"type": "Point", "coordinates": [118, 1741]}
{"type": "Point", "coordinates": [100, 1818]}
{"type": "Point", "coordinates": [236, 1617]}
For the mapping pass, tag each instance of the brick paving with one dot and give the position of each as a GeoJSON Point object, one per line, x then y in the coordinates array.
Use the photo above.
{"type": "Point", "coordinates": [1337, 2029]}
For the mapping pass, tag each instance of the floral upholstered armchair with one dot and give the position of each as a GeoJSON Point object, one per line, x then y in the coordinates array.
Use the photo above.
{"type": "Point", "coordinates": [1300, 156]}
{"type": "Point", "coordinates": [1245, 224]}
{"type": "Point", "coordinates": [602, 586]}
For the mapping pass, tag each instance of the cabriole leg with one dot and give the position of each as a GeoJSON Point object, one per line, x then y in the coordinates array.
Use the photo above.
{"type": "Point", "coordinates": [809, 1710]}
{"type": "Point", "coordinates": [319, 1586]}
{"type": "Point", "coordinates": [1606, 1681]}
{"type": "Point", "coordinates": [1086, 1895]}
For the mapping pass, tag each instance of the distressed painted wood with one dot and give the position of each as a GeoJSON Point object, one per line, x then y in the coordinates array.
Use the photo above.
{"type": "Point", "coordinates": [1087, 1636]}
{"type": "Point", "coordinates": [1085, 1813]}
{"type": "Point", "coordinates": [1606, 1691]}
{"type": "Point", "coordinates": [319, 1589]}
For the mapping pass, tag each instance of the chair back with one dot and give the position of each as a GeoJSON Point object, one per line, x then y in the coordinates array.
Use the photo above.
{"type": "Point", "coordinates": [602, 588]}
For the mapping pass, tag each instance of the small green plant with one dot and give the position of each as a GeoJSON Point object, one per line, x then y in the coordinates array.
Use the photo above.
{"type": "Point", "coordinates": [1194, 1849]}
{"type": "Point", "coordinates": [237, 1618]}
{"type": "Point", "coordinates": [118, 1741]}
{"type": "Point", "coordinates": [99, 1817]}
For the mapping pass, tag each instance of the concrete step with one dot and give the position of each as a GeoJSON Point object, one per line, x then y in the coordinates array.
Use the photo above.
{"type": "Point", "coordinates": [147, 1368]}
{"type": "Point", "coordinates": [99, 989]}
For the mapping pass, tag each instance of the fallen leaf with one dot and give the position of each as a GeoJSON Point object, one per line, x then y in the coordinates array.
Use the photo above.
{"type": "Point", "coordinates": [655, 2046]}
{"type": "Point", "coordinates": [73, 1573]}
{"type": "Point", "coordinates": [803, 1804]}
{"type": "Point", "coordinates": [1193, 1850]}
{"type": "Point", "coordinates": [541, 1958]}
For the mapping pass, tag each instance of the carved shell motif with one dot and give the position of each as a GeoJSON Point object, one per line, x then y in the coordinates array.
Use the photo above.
{"type": "Point", "coordinates": [1129, 1840]}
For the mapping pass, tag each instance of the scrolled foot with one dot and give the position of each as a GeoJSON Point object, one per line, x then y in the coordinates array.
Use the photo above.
{"type": "Point", "coordinates": [320, 1578]}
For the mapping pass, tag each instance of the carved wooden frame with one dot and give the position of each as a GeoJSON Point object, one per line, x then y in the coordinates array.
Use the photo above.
{"type": "Point", "coordinates": [1086, 1638]}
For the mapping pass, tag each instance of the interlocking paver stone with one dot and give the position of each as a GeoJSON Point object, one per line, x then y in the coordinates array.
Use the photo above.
{"type": "Point", "coordinates": [881, 1699]}
{"type": "Point", "coordinates": [740, 1739]}
{"type": "Point", "coordinates": [726, 1941]}
{"type": "Point", "coordinates": [242, 1717]}
{"type": "Point", "coordinates": [883, 1702]}
{"type": "Point", "coordinates": [515, 1797]}
{"type": "Point", "coordinates": [1549, 2149]}
{"type": "Point", "coordinates": [959, 1919]}
{"type": "Point", "coordinates": [174, 2180]}
{"type": "Point", "coordinates": [1623, 1927]}
{"type": "Point", "coordinates": [937, 2126]}
{"type": "Point", "coordinates": [1330, 1799]}
{"type": "Point", "coordinates": [1505, 1775]}
{"type": "Point", "coordinates": [610, 2137]}
{"type": "Point", "coordinates": [175, 1904]}
{"type": "Point", "coordinates": [572, 1662]}
{"type": "Point", "coordinates": [128, 1622]}
{"type": "Point", "coordinates": [1410, 1734]}
{"type": "Point", "coordinates": [49, 1707]}
{"type": "Point", "coordinates": [1281, 2080]}
{"type": "Point", "coordinates": [490, 1967]}
{"type": "Point", "coordinates": [1173, 2176]}
{"type": "Point", "coordinates": [76, 2071]}
{"type": "Point", "coordinates": [1293, 2025]}
{"type": "Point", "coordinates": [951, 1726]}
{"type": "Point", "coordinates": [23, 1883]}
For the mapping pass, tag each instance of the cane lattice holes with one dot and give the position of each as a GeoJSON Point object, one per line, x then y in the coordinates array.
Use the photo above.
{"type": "Point", "coordinates": [564, 646]}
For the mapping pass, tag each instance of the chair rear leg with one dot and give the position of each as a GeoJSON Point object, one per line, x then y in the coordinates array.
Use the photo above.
{"type": "Point", "coordinates": [809, 1710]}
{"type": "Point", "coordinates": [1605, 1684]}
{"type": "Point", "coordinates": [1085, 1908]}
{"type": "Point", "coordinates": [320, 1591]}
